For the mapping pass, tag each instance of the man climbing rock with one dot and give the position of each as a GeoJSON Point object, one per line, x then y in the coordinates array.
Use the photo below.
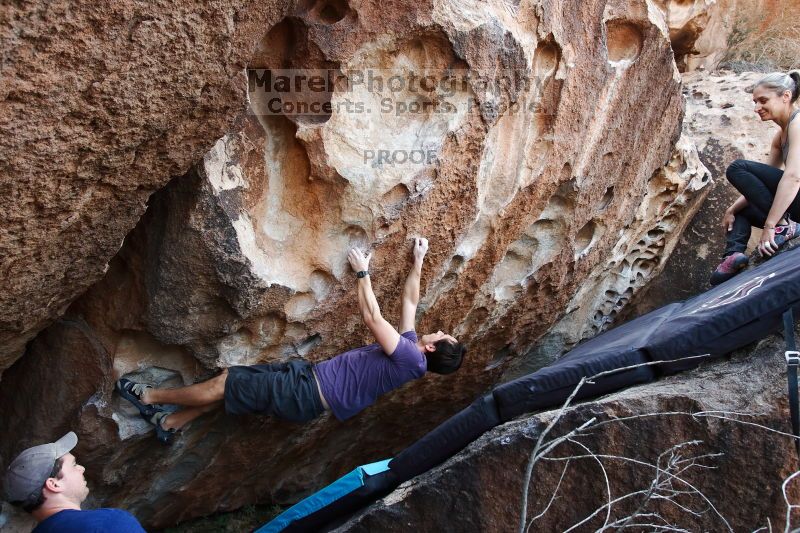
{"type": "Point", "coordinates": [48, 482]}
{"type": "Point", "coordinates": [300, 391]}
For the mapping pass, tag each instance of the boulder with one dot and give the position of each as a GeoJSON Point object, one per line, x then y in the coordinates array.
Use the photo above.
{"type": "Point", "coordinates": [101, 107]}
{"type": "Point", "coordinates": [547, 132]}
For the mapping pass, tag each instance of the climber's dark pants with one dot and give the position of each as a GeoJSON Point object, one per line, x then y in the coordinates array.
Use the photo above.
{"type": "Point", "coordinates": [758, 183]}
{"type": "Point", "coordinates": [283, 390]}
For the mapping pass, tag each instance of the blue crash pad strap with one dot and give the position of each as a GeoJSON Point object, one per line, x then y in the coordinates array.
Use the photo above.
{"type": "Point", "coordinates": [343, 486]}
{"type": "Point", "coordinates": [375, 468]}
{"type": "Point", "coordinates": [792, 362]}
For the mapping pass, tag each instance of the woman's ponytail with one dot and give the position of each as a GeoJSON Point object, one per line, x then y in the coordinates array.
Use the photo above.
{"type": "Point", "coordinates": [795, 75]}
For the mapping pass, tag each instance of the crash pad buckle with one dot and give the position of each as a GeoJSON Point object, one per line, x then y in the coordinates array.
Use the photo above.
{"type": "Point", "coordinates": [792, 358]}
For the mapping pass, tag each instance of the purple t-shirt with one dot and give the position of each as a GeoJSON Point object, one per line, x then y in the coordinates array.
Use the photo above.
{"type": "Point", "coordinates": [353, 380]}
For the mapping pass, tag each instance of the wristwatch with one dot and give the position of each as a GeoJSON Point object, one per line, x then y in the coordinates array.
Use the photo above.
{"type": "Point", "coordinates": [362, 274]}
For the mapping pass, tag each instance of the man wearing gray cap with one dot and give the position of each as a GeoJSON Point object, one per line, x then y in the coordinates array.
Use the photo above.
{"type": "Point", "coordinates": [48, 482]}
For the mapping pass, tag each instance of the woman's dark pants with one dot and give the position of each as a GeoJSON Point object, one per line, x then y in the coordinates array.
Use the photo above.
{"type": "Point", "coordinates": [758, 183]}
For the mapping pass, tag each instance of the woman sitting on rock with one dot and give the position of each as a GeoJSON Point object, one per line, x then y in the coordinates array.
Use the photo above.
{"type": "Point", "coordinates": [769, 195]}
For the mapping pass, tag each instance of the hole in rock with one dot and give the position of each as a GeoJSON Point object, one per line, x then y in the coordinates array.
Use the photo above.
{"type": "Point", "coordinates": [395, 199]}
{"type": "Point", "coordinates": [499, 357]}
{"type": "Point", "coordinates": [397, 194]}
{"type": "Point", "coordinates": [683, 44]}
{"type": "Point", "coordinates": [299, 306]}
{"type": "Point", "coordinates": [548, 89]}
{"type": "Point", "coordinates": [624, 41]}
{"type": "Point", "coordinates": [269, 329]}
{"type": "Point", "coordinates": [568, 189]}
{"type": "Point", "coordinates": [321, 284]}
{"type": "Point", "coordinates": [607, 198]}
{"type": "Point", "coordinates": [308, 344]}
{"type": "Point", "coordinates": [275, 88]}
{"type": "Point", "coordinates": [333, 12]}
{"type": "Point", "coordinates": [545, 59]}
{"type": "Point", "coordinates": [474, 320]}
{"type": "Point", "coordinates": [587, 236]}
{"type": "Point", "coordinates": [683, 166]}
{"type": "Point", "coordinates": [453, 269]}
{"type": "Point", "coordinates": [669, 221]}
{"type": "Point", "coordinates": [644, 267]}
{"type": "Point", "coordinates": [269, 98]}
{"type": "Point", "coordinates": [356, 236]}
{"type": "Point", "coordinates": [325, 11]}
{"type": "Point", "coordinates": [246, 346]}
{"type": "Point", "coordinates": [136, 350]}
{"type": "Point", "coordinates": [566, 172]}
{"type": "Point", "coordinates": [628, 292]}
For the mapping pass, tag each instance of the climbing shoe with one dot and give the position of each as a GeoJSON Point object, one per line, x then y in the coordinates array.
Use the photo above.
{"type": "Point", "coordinates": [164, 436]}
{"type": "Point", "coordinates": [785, 232]}
{"type": "Point", "coordinates": [133, 393]}
{"type": "Point", "coordinates": [730, 266]}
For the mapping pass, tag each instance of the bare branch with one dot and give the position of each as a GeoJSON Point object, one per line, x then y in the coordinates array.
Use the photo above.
{"type": "Point", "coordinates": [534, 453]}
{"type": "Point", "coordinates": [555, 442]}
{"type": "Point", "coordinates": [599, 509]}
{"type": "Point", "coordinates": [661, 487]}
{"type": "Point", "coordinates": [789, 505]}
{"type": "Point", "coordinates": [699, 414]}
{"type": "Point", "coordinates": [672, 476]}
{"type": "Point", "coordinates": [552, 498]}
{"type": "Point", "coordinates": [639, 365]}
{"type": "Point", "coordinates": [605, 477]}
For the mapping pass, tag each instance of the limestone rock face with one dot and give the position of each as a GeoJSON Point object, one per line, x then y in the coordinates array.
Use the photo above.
{"type": "Point", "coordinates": [674, 194]}
{"type": "Point", "coordinates": [100, 108]}
{"type": "Point", "coordinates": [564, 205]}
{"type": "Point", "coordinates": [516, 214]}
{"type": "Point", "coordinates": [720, 121]}
{"type": "Point", "coordinates": [748, 34]}
{"type": "Point", "coordinates": [700, 30]}
{"type": "Point", "coordinates": [745, 434]}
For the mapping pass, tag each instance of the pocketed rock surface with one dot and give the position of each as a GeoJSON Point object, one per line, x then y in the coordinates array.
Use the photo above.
{"type": "Point", "coordinates": [566, 209]}
{"type": "Point", "coordinates": [102, 105]}
{"type": "Point", "coordinates": [742, 434]}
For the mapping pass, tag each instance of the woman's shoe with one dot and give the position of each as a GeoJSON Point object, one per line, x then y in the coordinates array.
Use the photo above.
{"type": "Point", "coordinates": [785, 232]}
{"type": "Point", "coordinates": [730, 266]}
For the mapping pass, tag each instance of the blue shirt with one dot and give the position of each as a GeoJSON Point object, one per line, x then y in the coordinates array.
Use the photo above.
{"type": "Point", "coordinates": [95, 521]}
{"type": "Point", "coordinates": [353, 380]}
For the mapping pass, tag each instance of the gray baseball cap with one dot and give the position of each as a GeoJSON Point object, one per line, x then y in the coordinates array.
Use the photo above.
{"type": "Point", "coordinates": [27, 473]}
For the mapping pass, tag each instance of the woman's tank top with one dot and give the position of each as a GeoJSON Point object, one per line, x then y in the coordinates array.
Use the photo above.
{"type": "Point", "coordinates": [785, 145]}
